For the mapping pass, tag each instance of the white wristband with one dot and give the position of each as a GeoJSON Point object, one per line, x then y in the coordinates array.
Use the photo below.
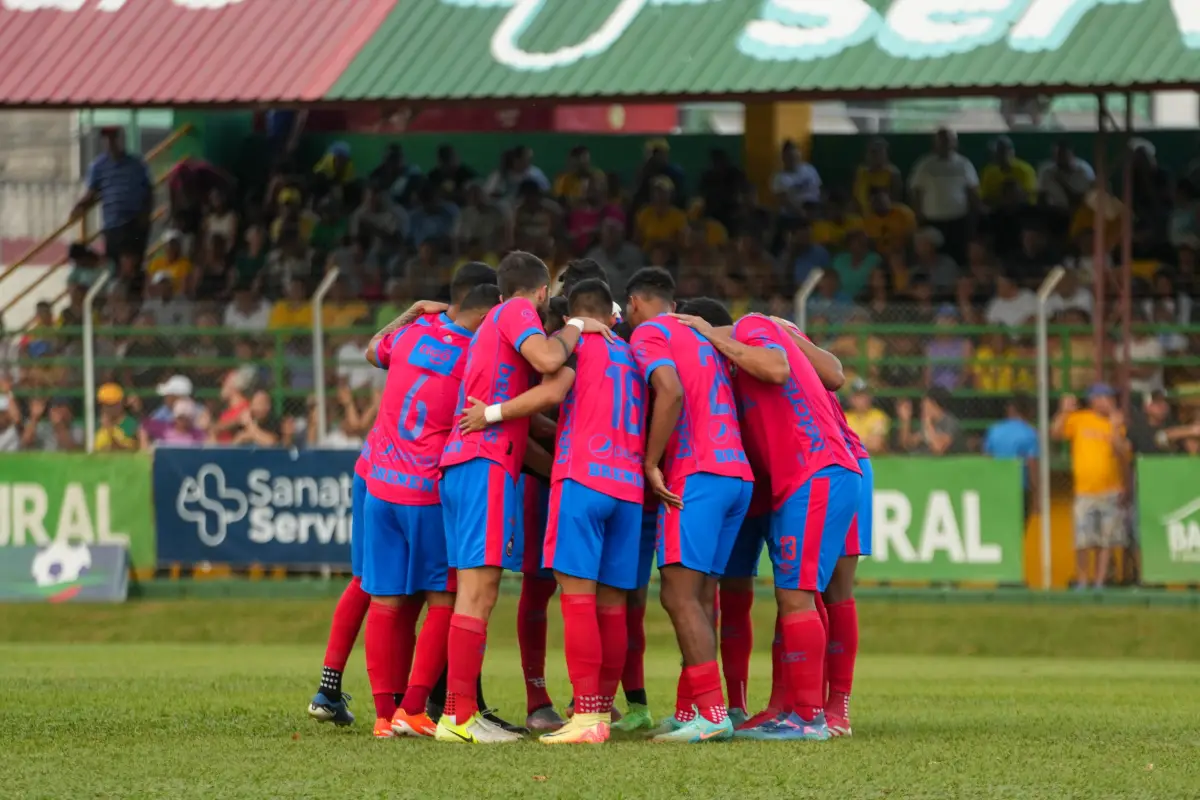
{"type": "Point", "coordinates": [576, 322]}
{"type": "Point", "coordinates": [492, 414]}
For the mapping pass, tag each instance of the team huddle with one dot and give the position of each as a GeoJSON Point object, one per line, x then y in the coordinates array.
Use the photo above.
{"type": "Point", "coordinates": [576, 444]}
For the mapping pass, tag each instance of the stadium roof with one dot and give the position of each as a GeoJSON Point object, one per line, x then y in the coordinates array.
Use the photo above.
{"type": "Point", "coordinates": [241, 52]}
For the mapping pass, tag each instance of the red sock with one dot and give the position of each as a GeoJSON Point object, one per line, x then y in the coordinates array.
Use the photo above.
{"type": "Point", "coordinates": [429, 659]}
{"type": "Point", "coordinates": [737, 641]}
{"type": "Point", "coordinates": [614, 645]}
{"type": "Point", "coordinates": [384, 659]}
{"type": "Point", "coordinates": [347, 619]}
{"type": "Point", "coordinates": [684, 701]}
{"type": "Point", "coordinates": [531, 637]}
{"type": "Point", "coordinates": [804, 658]}
{"type": "Point", "coordinates": [633, 676]}
{"type": "Point", "coordinates": [840, 654]}
{"type": "Point", "coordinates": [465, 646]}
{"type": "Point", "coordinates": [780, 693]}
{"type": "Point", "coordinates": [581, 635]}
{"type": "Point", "coordinates": [705, 682]}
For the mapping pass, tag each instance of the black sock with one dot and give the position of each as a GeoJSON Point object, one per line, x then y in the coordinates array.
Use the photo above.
{"type": "Point", "coordinates": [331, 684]}
{"type": "Point", "coordinates": [479, 701]}
{"type": "Point", "coordinates": [437, 695]}
{"type": "Point", "coordinates": [636, 696]}
{"type": "Point", "coordinates": [397, 698]}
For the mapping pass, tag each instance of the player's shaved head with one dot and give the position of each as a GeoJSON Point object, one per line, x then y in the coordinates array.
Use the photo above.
{"type": "Point", "coordinates": [591, 298]}
{"type": "Point", "coordinates": [522, 273]}
{"type": "Point", "coordinates": [579, 270]}
{"type": "Point", "coordinates": [483, 297]}
{"type": "Point", "coordinates": [470, 275]}
{"type": "Point", "coordinates": [709, 310]}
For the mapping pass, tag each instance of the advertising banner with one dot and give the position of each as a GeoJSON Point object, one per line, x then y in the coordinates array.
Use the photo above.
{"type": "Point", "coordinates": [958, 518]}
{"type": "Point", "coordinates": [101, 499]}
{"type": "Point", "coordinates": [1168, 506]}
{"type": "Point", "coordinates": [242, 507]}
{"type": "Point", "coordinates": [65, 571]}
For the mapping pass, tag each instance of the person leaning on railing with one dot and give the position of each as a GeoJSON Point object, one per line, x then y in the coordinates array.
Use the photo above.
{"type": "Point", "coordinates": [120, 181]}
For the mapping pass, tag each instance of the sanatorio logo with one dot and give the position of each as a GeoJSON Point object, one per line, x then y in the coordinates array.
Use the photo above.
{"type": "Point", "coordinates": [274, 508]}
{"type": "Point", "coordinates": [807, 30]}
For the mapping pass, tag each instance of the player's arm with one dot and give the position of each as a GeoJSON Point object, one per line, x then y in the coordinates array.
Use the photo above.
{"type": "Point", "coordinates": [418, 309]}
{"type": "Point", "coordinates": [765, 362]}
{"type": "Point", "coordinates": [547, 354]}
{"type": "Point", "coordinates": [546, 395]}
{"type": "Point", "coordinates": [538, 458]}
{"type": "Point", "coordinates": [668, 407]}
{"type": "Point", "coordinates": [828, 366]}
{"type": "Point", "coordinates": [542, 427]}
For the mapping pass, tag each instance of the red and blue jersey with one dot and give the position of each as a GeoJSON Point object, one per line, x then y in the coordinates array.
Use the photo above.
{"type": "Point", "coordinates": [495, 372]}
{"type": "Point", "coordinates": [856, 446]}
{"type": "Point", "coordinates": [425, 363]}
{"type": "Point", "coordinates": [708, 438]}
{"type": "Point", "coordinates": [791, 431]}
{"type": "Point", "coordinates": [600, 441]}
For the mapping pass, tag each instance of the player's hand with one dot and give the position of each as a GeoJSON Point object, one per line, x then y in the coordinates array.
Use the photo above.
{"type": "Point", "coordinates": [1068, 404]}
{"type": "Point", "coordinates": [658, 485]}
{"type": "Point", "coordinates": [592, 326]}
{"type": "Point", "coordinates": [473, 420]}
{"type": "Point", "coordinates": [423, 307]}
{"type": "Point", "coordinates": [697, 324]}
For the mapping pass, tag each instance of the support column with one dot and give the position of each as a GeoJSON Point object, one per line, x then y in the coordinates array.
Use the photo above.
{"type": "Point", "coordinates": [768, 126]}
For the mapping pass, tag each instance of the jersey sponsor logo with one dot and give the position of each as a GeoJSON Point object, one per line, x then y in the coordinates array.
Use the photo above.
{"type": "Point", "coordinates": [435, 356]}
{"type": "Point", "coordinates": [628, 476]}
{"type": "Point", "coordinates": [394, 477]}
{"type": "Point", "coordinates": [805, 420]}
{"type": "Point", "coordinates": [502, 387]}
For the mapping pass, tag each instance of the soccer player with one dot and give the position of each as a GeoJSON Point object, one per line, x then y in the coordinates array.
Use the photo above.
{"type": "Point", "coordinates": [815, 490]}
{"type": "Point", "coordinates": [404, 557]}
{"type": "Point", "coordinates": [597, 491]}
{"type": "Point", "coordinates": [330, 704]}
{"type": "Point", "coordinates": [481, 503]}
{"type": "Point", "coordinates": [704, 482]}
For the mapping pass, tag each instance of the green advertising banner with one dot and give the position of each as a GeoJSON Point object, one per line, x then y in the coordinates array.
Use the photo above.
{"type": "Point", "coordinates": [1168, 499]}
{"type": "Point", "coordinates": [958, 518]}
{"type": "Point", "coordinates": [96, 499]}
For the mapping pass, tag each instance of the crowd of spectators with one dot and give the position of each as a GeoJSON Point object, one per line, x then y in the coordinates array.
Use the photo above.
{"type": "Point", "coordinates": [910, 262]}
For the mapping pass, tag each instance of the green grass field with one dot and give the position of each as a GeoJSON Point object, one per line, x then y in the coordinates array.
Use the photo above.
{"type": "Point", "coordinates": [206, 699]}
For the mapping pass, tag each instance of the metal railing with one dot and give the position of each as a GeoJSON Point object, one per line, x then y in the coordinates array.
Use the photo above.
{"type": "Point", "coordinates": [86, 235]}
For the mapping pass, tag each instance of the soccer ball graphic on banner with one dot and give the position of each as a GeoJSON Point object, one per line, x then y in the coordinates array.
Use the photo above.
{"type": "Point", "coordinates": [61, 562]}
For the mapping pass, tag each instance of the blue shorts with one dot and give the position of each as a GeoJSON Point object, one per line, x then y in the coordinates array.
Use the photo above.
{"type": "Point", "coordinates": [484, 516]}
{"type": "Point", "coordinates": [747, 548]}
{"type": "Point", "coordinates": [535, 501]}
{"type": "Point", "coordinates": [859, 539]}
{"type": "Point", "coordinates": [358, 493]}
{"type": "Point", "coordinates": [701, 536]}
{"type": "Point", "coordinates": [591, 535]}
{"type": "Point", "coordinates": [646, 546]}
{"type": "Point", "coordinates": [809, 530]}
{"type": "Point", "coordinates": [405, 549]}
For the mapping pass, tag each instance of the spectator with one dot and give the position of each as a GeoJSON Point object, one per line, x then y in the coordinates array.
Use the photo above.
{"type": "Point", "coordinates": [215, 278]}
{"type": "Point", "coordinates": [888, 224]}
{"type": "Point", "coordinates": [379, 221]}
{"type": "Point", "coordinates": [251, 259]}
{"type": "Point", "coordinates": [995, 367]}
{"type": "Point", "coordinates": [424, 272]}
{"type": "Point", "coordinates": [399, 180]}
{"type": "Point", "coordinates": [57, 432]}
{"type": "Point", "coordinates": [85, 264]}
{"type": "Point", "coordinates": [719, 188]}
{"type": "Point", "coordinates": [1012, 306]}
{"type": "Point", "coordinates": [172, 390]}
{"type": "Point", "coordinates": [738, 297]}
{"type": "Point", "coordinates": [121, 182]}
{"type": "Point", "coordinates": [536, 219]}
{"type": "Point", "coordinates": [10, 421]}
{"type": "Point", "coordinates": [834, 219]}
{"type": "Point", "coordinates": [859, 350]}
{"type": "Point", "coordinates": [257, 426]}
{"type": "Point", "coordinates": [1014, 437]}
{"type": "Point", "coordinates": [354, 371]}
{"type": "Point", "coordinates": [619, 258]}
{"type": "Point", "coordinates": [294, 311]}
{"type": "Point", "coordinates": [291, 260]}
{"type": "Point", "coordinates": [583, 218]}
{"type": "Point", "coordinates": [659, 222]}
{"type": "Point", "coordinates": [395, 304]}
{"type": "Point", "coordinates": [1079, 352]}
{"type": "Point", "coordinates": [878, 299]}
{"type": "Point", "coordinates": [450, 175]}
{"type": "Point", "coordinates": [434, 218]}
{"type": "Point", "coordinates": [347, 430]}
{"type": "Point", "coordinates": [855, 265]}
{"type": "Point", "coordinates": [234, 387]}
{"type": "Point", "coordinates": [869, 423]}
{"type": "Point", "coordinates": [340, 309]}
{"type": "Point", "coordinates": [118, 431]}
{"type": "Point", "coordinates": [948, 355]}
{"type": "Point", "coordinates": [1099, 450]}
{"type": "Point", "coordinates": [1152, 192]}
{"type": "Point", "coordinates": [171, 262]}
{"type": "Point", "coordinates": [1154, 430]}
{"type": "Point", "coordinates": [483, 220]}
{"type": "Point", "coordinates": [1146, 353]}
{"type": "Point", "coordinates": [293, 221]}
{"type": "Point", "coordinates": [248, 311]}
{"type": "Point", "coordinates": [877, 174]}
{"type": "Point", "coordinates": [829, 301]}
{"type": "Point", "coordinates": [574, 182]}
{"type": "Point", "coordinates": [700, 223]}
{"type": "Point", "coordinates": [184, 428]}
{"type": "Point", "coordinates": [475, 251]}
{"type": "Point", "coordinates": [945, 191]}
{"type": "Point", "coordinates": [1064, 180]}
{"type": "Point", "coordinates": [139, 349]}
{"type": "Point", "coordinates": [801, 255]}
{"type": "Point", "coordinates": [516, 167]}
{"type": "Point", "coordinates": [1029, 265]}
{"type": "Point", "coordinates": [935, 266]}
{"type": "Point", "coordinates": [1004, 168]}
{"type": "Point", "coordinates": [221, 220]}
{"type": "Point", "coordinates": [797, 185]}
{"type": "Point", "coordinates": [1008, 217]}
{"type": "Point", "coordinates": [657, 164]}
{"type": "Point", "coordinates": [1069, 295]}
{"type": "Point", "coordinates": [938, 431]}
{"type": "Point", "coordinates": [334, 171]}
{"type": "Point", "coordinates": [163, 306]}
{"type": "Point", "coordinates": [1184, 227]}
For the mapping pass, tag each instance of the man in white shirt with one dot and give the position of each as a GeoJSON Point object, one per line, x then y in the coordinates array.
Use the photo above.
{"type": "Point", "coordinates": [945, 189]}
{"type": "Point", "coordinates": [796, 185]}
{"type": "Point", "coordinates": [1069, 295]}
{"type": "Point", "coordinates": [248, 311]}
{"type": "Point", "coordinates": [1065, 180]}
{"type": "Point", "coordinates": [1012, 306]}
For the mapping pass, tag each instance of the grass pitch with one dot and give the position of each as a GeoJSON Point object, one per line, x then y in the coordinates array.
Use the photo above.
{"type": "Point", "coordinates": [206, 699]}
